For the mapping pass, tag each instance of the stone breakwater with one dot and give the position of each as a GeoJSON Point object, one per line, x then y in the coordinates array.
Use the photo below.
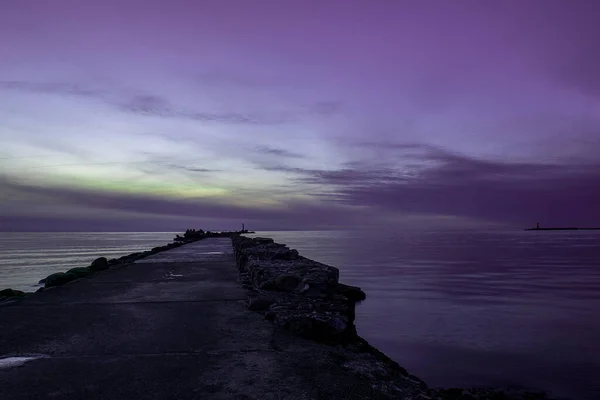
{"type": "Point", "coordinates": [306, 298]}
{"type": "Point", "coordinates": [301, 295]}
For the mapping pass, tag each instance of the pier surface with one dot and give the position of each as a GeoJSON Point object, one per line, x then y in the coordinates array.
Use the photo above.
{"type": "Point", "coordinates": [170, 326]}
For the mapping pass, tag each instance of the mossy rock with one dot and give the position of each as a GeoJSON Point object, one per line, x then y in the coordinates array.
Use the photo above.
{"type": "Point", "coordinates": [99, 264]}
{"type": "Point", "coordinates": [129, 258]}
{"type": "Point", "coordinates": [11, 293]}
{"type": "Point", "coordinates": [60, 278]}
{"type": "Point", "coordinates": [80, 271]}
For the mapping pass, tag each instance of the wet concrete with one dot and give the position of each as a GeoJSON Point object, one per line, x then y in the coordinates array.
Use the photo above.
{"type": "Point", "coordinates": [171, 326]}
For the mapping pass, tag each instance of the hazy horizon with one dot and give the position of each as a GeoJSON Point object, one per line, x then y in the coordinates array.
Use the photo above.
{"type": "Point", "coordinates": [136, 115]}
{"type": "Point", "coordinates": [386, 228]}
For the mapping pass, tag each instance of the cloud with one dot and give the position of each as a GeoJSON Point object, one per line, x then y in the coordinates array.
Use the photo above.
{"type": "Point", "coordinates": [278, 152]}
{"type": "Point", "coordinates": [190, 169]}
{"type": "Point", "coordinates": [144, 104]}
{"type": "Point", "coordinates": [158, 106]}
{"type": "Point", "coordinates": [57, 88]}
{"type": "Point", "coordinates": [147, 104]}
{"type": "Point", "coordinates": [294, 213]}
{"type": "Point", "coordinates": [451, 184]}
{"type": "Point", "coordinates": [284, 168]}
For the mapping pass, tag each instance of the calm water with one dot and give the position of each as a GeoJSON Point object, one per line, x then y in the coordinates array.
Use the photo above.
{"type": "Point", "coordinates": [456, 308]}
{"type": "Point", "coordinates": [25, 258]}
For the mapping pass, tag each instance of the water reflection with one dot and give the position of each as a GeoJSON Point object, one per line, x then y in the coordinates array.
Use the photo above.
{"type": "Point", "coordinates": [475, 308]}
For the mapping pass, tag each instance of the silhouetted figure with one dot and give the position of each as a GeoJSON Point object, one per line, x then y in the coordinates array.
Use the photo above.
{"type": "Point", "coordinates": [537, 226]}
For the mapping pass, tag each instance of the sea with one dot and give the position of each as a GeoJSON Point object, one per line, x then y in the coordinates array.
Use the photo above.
{"type": "Point", "coordinates": [457, 308]}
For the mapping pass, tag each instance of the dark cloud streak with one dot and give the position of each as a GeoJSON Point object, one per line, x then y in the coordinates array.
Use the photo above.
{"type": "Point", "coordinates": [453, 184]}
{"type": "Point", "coordinates": [294, 212]}
{"type": "Point", "coordinates": [145, 104]}
{"type": "Point", "coordinates": [278, 152]}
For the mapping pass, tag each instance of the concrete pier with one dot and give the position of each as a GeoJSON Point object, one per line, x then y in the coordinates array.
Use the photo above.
{"type": "Point", "coordinates": [171, 326]}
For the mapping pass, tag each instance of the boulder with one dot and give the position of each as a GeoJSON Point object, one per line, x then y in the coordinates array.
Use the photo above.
{"type": "Point", "coordinates": [263, 273]}
{"type": "Point", "coordinates": [268, 251]}
{"type": "Point", "coordinates": [319, 320]}
{"type": "Point", "coordinates": [353, 293]}
{"type": "Point", "coordinates": [11, 293]}
{"type": "Point", "coordinates": [99, 264]}
{"type": "Point", "coordinates": [286, 282]}
{"type": "Point", "coordinates": [191, 235]}
{"type": "Point", "coordinates": [145, 254]}
{"type": "Point", "coordinates": [259, 303]}
{"type": "Point", "coordinates": [80, 271]}
{"type": "Point", "coordinates": [129, 258]}
{"type": "Point", "coordinates": [262, 240]}
{"type": "Point", "coordinates": [318, 327]}
{"type": "Point", "coordinates": [60, 278]}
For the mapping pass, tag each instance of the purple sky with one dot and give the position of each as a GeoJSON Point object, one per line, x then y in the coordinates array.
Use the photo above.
{"type": "Point", "coordinates": [161, 115]}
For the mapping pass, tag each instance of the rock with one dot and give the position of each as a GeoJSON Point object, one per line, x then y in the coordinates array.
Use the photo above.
{"type": "Point", "coordinates": [113, 261]}
{"type": "Point", "coordinates": [269, 251]}
{"type": "Point", "coordinates": [99, 264]}
{"type": "Point", "coordinates": [328, 320]}
{"type": "Point", "coordinates": [80, 271]}
{"type": "Point", "coordinates": [304, 295]}
{"type": "Point", "coordinates": [11, 293]}
{"type": "Point", "coordinates": [259, 303]}
{"type": "Point", "coordinates": [145, 254]}
{"type": "Point", "coordinates": [191, 235]}
{"type": "Point", "coordinates": [318, 276]}
{"type": "Point", "coordinates": [270, 316]}
{"type": "Point", "coordinates": [286, 282]}
{"type": "Point", "coordinates": [129, 258]}
{"type": "Point", "coordinates": [353, 293]}
{"type": "Point", "coordinates": [60, 278]}
{"type": "Point", "coordinates": [263, 240]}
{"type": "Point", "coordinates": [320, 327]}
